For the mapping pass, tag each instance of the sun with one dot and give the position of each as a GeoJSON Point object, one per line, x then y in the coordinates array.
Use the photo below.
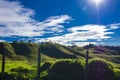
{"type": "Point", "coordinates": [97, 2]}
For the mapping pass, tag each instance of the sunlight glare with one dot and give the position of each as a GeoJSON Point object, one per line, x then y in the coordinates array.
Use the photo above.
{"type": "Point", "coordinates": [97, 2]}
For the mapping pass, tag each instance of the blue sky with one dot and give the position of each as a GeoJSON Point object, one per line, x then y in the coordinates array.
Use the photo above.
{"type": "Point", "coordinates": [66, 22]}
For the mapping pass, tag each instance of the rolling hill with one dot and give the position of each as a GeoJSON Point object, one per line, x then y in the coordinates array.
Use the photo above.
{"type": "Point", "coordinates": [51, 51]}
{"type": "Point", "coordinates": [56, 59]}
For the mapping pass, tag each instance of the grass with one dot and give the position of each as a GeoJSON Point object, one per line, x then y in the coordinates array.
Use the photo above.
{"type": "Point", "coordinates": [20, 68]}
{"type": "Point", "coordinates": [29, 69]}
{"type": "Point", "coordinates": [45, 58]}
{"type": "Point", "coordinates": [117, 73]}
{"type": "Point", "coordinates": [14, 64]}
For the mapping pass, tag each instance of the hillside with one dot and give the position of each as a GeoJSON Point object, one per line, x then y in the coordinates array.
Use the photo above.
{"type": "Point", "coordinates": [56, 59]}
{"type": "Point", "coordinates": [28, 51]}
{"type": "Point", "coordinates": [51, 51]}
{"type": "Point", "coordinates": [110, 53]}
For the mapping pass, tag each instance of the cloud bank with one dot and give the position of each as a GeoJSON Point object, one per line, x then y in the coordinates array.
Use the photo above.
{"type": "Point", "coordinates": [15, 20]}
{"type": "Point", "coordinates": [80, 35]}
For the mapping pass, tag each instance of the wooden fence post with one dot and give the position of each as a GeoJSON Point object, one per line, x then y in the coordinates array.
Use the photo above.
{"type": "Point", "coordinates": [86, 65]}
{"type": "Point", "coordinates": [38, 64]}
{"type": "Point", "coordinates": [3, 59]}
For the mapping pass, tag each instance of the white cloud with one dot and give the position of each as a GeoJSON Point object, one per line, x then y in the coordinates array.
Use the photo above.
{"type": "Point", "coordinates": [16, 20]}
{"type": "Point", "coordinates": [14, 12]}
{"type": "Point", "coordinates": [87, 32]}
{"type": "Point", "coordinates": [114, 26]}
{"type": "Point", "coordinates": [55, 20]}
{"type": "Point", "coordinates": [53, 24]}
{"type": "Point", "coordinates": [83, 33]}
{"type": "Point", "coordinates": [80, 44]}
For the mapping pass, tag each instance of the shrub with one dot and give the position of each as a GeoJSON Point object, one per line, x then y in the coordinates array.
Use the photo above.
{"type": "Point", "coordinates": [100, 70]}
{"type": "Point", "coordinates": [66, 70]}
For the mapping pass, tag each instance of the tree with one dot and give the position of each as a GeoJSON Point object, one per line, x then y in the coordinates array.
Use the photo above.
{"type": "Point", "coordinates": [30, 41]}
{"type": "Point", "coordinates": [89, 46]}
{"type": "Point", "coordinates": [14, 41]}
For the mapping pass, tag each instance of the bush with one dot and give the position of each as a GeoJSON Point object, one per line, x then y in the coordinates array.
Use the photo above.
{"type": "Point", "coordinates": [66, 70]}
{"type": "Point", "coordinates": [100, 70]}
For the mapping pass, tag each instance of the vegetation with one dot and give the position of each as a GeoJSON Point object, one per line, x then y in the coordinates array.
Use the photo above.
{"type": "Point", "coordinates": [16, 70]}
{"type": "Point", "coordinates": [100, 70]}
{"type": "Point", "coordinates": [60, 62]}
{"type": "Point", "coordinates": [65, 70]}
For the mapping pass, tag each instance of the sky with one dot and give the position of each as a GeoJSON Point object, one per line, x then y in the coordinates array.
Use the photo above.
{"type": "Point", "coordinates": [67, 22]}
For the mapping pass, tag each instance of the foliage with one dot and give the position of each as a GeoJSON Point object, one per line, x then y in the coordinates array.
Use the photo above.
{"type": "Point", "coordinates": [66, 70]}
{"type": "Point", "coordinates": [100, 70]}
{"type": "Point", "coordinates": [89, 46]}
{"type": "Point", "coordinates": [19, 70]}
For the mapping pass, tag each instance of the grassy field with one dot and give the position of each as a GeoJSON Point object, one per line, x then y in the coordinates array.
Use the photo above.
{"type": "Point", "coordinates": [26, 69]}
